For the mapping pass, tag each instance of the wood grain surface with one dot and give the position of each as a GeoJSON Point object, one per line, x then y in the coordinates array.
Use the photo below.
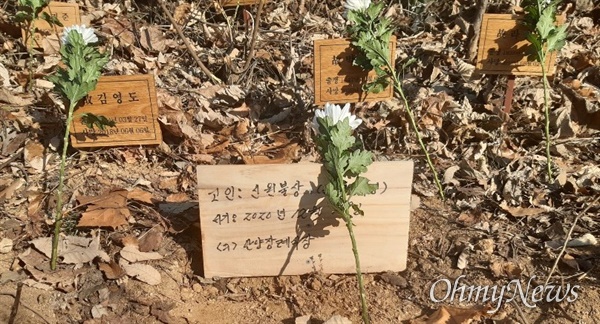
{"type": "Point", "coordinates": [128, 100]}
{"type": "Point", "coordinates": [67, 14]}
{"type": "Point", "coordinates": [503, 47]}
{"type": "Point", "coordinates": [250, 216]}
{"type": "Point", "coordinates": [337, 80]}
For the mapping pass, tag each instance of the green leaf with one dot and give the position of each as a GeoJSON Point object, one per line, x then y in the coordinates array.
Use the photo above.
{"type": "Point", "coordinates": [362, 187]}
{"type": "Point", "coordinates": [332, 194]}
{"type": "Point", "coordinates": [90, 121]}
{"type": "Point", "coordinates": [341, 135]}
{"type": "Point", "coordinates": [358, 162]}
{"type": "Point", "coordinates": [546, 23]}
{"type": "Point", "coordinates": [22, 16]}
{"type": "Point", "coordinates": [557, 39]}
{"type": "Point", "coordinates": [52, 20]}
{"type": "Point", "coordinates": [38, 3]}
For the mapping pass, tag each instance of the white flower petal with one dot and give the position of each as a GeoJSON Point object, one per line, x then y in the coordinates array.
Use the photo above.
{"type": "Point", "coordinates": [357, 5]}
{"type": "Point", "coordinates": [87, 34]}
{"type": "Point", "coordinates": [355, 122]}
{"type": "Point", "coordinates": [337, 114]}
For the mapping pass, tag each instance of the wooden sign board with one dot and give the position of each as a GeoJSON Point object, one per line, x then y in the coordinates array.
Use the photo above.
{"type": "Point", "coordinates": [67, 14]}
{"type": "Point", "coordinates": [337, 80]}
{"type": "Point", "coordinates": [503, 47]}
{"type": "Point", "coordinates": [269, 220]}
{"type": "Point", "coordinates": [129, 101]}
{"type": "Point", "coordinates": [234, 3]}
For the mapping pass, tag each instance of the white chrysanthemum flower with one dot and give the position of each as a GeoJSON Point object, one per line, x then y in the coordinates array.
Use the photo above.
{"type": "Point", "coordinates": [337, 114]}
{"type": "Point", "coordinates": [357, 5]}
{"type": "Point", "coordinates": [87, 34]}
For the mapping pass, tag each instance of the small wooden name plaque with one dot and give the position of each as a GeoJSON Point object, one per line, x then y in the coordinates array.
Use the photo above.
{"type": "Point", "coordinates": [130, 102]}
{"type": "Point", "coordinates": [503, 47]}
{"type": "Point", "coordinates": [268, 220]}
{"type": "Point", "coordinates": [337, 80]}
{"type": "Point", "coordinates": [66, 13]}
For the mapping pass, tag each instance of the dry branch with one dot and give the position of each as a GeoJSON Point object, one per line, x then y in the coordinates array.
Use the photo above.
{"type": "Point", "coordinates": [188, 45]}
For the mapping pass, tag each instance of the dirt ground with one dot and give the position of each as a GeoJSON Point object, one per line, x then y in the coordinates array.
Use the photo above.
{"type": "Point", "coordinates": [503, 220]}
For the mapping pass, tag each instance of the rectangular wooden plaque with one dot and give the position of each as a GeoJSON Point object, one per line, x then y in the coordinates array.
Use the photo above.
{"type": "Point", "coordinates": [67, 14]}
{"type": "Point", "coordinates": [503, 47]}
{"type": "Point", "coordinates": [269, 220]}
{"type": "Point", "coordinates": [337, 80]}
{"type": "Point", "coordinates": [129, 101]}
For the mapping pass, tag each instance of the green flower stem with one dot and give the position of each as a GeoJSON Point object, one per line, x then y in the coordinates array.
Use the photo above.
{"type": "Point", "coordinates": [359, 277]}
{"type": "Point", "coordinates": [58, 220]}
{"type": "Point", "coordinates": [411, 116]}
{"type": "Point", "coordinates": [542, 56]}
{"type": "Point", "coordinates": [345, 212]}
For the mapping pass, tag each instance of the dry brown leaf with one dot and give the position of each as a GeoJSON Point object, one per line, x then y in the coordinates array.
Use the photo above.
{"type": "Point", "coordinates": [463, 258]}
{"type": "Point", "coordinates": [36, 157]}
{"type": "Point", "coordinates": [143, 272]}
{"type": "Point", "coordinates": [502, 269]}
{"type": "Point", "coordinates": [111, 270]}
{"type": "Point", "coordinates": [521, 211]}
{"type": "Point", "coordinates": [132, 253]}
{"type": "Point", "coordinates": [73, 249]}
{"type": "Point", "coordinates": [177, 197]}
{"type": "Point", "coordinates": [8, 97]}
{"type": "Point", "coordinates": [151, 240]}
{"type": "Point", "coordinates": [109, 217]}
{"type": "Point", "coordinates": [141, 196]}
{"type": "Point", "coordinates": [570, 261]}
{"type": "Point", "coordinates": [14, 144]}
{"type": "Point", "coordinates": [112, 199]}
{"type": "Point", "coordinates": [152, 39]}
{"type": "Point", "coordinates": [9, 191]}
{"type": "Point", "coordinates": [182, 13]}
{"type": "Point", "coordinates": [107, 210]}
{"type": "Point", "coordinates": [129, 240]}
{"type": "Point", "coordinates": [202, 158]}
{"type": "Point", "coordinates": [121, 29]}
{"type": "Point", "coordinates": [4, 76]}
{"type": "Point", "coordinates": [6, 245]}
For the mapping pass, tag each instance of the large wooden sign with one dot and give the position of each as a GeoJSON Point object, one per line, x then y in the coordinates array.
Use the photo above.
{"type": "Point", "coordinates": [337, 80]}
{"type": "Point", "coordinates": [259, 220]}
{"type": "Point", "coordinates": [67, 14]}
{"type": "Point", "coordinates": [503, 47]}
{"type": "Point", "coordinates": [129, 101]}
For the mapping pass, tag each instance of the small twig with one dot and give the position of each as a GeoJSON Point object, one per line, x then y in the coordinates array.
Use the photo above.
{"type": "Point", "coordinates": [250, 56]}
{"type": "Point", "coordinates": [15, 306]}
{"type": "Point", "coordinates": [519, 311]}
{"type": "Point", "coordinates": [11, 159]}
{"type": "Point", "coordinates": [27, 307]}
{"type": "Point", "coordinates": [564, 247]}
{"type": "Point", "coordinates": [254, 33]}
{"type": "Point", "coordinates": [188, 45]}
{"type": "Point", "coordinates": [481, 8]}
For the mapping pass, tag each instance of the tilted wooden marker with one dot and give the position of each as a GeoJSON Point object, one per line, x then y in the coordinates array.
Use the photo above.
{"type": "Point", "coordinates": [269, 220]}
